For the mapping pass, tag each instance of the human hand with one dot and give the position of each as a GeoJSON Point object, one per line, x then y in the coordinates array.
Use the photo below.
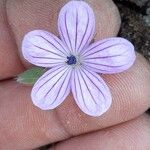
{"type": "Point", "coordinates": [23, 126]}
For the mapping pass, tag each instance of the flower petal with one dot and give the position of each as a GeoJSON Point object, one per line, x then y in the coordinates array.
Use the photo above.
{"type": "Point", "coordinates": [111, 55]}
{"type": "Point", "coordinates": [76, 24]}
{"type": "Point", "coordinates": [90, 92]}
{"type": "Point", "coordinates": [43, 49]}
{"type": "Point", "coordinates": [52, 88]}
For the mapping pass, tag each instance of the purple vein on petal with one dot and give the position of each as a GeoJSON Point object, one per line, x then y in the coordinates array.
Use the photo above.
{"type": "Point", "coordinates": [99, 44]}
{"type": "Point", "coordinates": [48, 58]}
{"type": "Point", "coordinates": [93, 82]}
{"type": "Point", "coordinates": [76, 35]}
{"type": "Point", "coordinates": [102, 49]}
{"type": "Point", "coordinates": [103, 57]}
{"type": "Point", "coordinates": [107, 65]}
{"type": "Point", "coordinates": [60, 45]}
{"type": "Point", "coordinates": [88, 39]}
{"type": "Point", "coordinates": [94, 68]}
{"type": "Point", "coordinates": [75, 86]}
{"type": "Point", "coordinates": [56, 68]}
{"type": "Point", "coordinates": [67, 31]}
{"type": "Point", "coordinates": [61, 32]}
{"type": "Point", "coordinates": [51, 44]}
{"type": "Point", "coordinates": [48, 51]}
{"type": "Point", "coordinates": [48, 79]}
{"type": "Point", "coordinates": [67, 84]}
{"type": "Point", "coordinates": [81, 91]}
{"type": "Point", "coordinates": [61, 88]}
{"type": "Point", "coordinates": [45, 57]}
{"type": "Point", "coordinates": [88, 88]}
{"type": "Point", "coordinates": [57, 82]}
{"type": "Point", "coordinates": [84, 52]}
{"type": "Point", "coordinates": [56, 64]}
{"type": "Point", "coordinates": [87, 26]}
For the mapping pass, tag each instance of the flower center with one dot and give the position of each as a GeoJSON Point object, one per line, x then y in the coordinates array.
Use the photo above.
{"type": "Point", "coordinates": [71, 60]}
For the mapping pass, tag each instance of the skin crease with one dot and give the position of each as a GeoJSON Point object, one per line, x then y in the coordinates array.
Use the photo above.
{"type": "Point", "coordinates": [23, 126]}
{"type": "Point", "coordinates": [127, 136]}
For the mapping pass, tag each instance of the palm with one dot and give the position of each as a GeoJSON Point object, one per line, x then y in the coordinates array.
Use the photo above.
{"type": "Point", "coordinates": [23, 126]}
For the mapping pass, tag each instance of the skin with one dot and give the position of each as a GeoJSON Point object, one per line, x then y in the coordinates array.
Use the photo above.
{"type": "Point", "coordinates": [23, 126]}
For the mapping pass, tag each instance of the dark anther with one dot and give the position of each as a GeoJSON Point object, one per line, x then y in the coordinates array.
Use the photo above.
{"type": "Point", "coordinates": [71, 60]}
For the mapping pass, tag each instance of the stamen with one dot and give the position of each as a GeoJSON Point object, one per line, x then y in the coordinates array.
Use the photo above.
{"type": "Point", "coordinates": [71, 60]}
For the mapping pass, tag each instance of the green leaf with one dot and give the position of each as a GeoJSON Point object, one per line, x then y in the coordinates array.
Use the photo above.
{"type": "Point", "coordinates": [30, 76]}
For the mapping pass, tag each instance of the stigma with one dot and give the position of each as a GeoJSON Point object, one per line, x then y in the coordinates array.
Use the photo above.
{"type": "Point", "coordinates": [71, 60]}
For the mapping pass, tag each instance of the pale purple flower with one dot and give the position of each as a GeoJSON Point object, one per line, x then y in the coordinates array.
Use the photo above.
{"type": "Point", "coordinates": [74, 62]}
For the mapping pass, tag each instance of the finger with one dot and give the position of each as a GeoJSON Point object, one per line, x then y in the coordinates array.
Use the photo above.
{"type": "Point", "coordinates": [31, 15]}
{"type": "Point", "coordinates": [131, 135]}
{"type": "Point", "coordinates": [9, 60]}
{"type": "Point", "coordinates": [20, 121]}
{"type": "Point", "coordinates": [130, 93]}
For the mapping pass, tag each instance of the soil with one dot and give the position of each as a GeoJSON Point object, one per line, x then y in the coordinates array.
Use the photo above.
{"type": "Point", "coordinates": [136, 24]}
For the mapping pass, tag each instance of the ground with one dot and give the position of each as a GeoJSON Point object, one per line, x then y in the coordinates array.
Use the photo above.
{"type": "Point", "coordinates": [136, 24]}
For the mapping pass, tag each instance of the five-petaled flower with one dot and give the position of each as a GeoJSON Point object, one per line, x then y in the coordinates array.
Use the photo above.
{"type": "Point", "coordinates": [74, 62]}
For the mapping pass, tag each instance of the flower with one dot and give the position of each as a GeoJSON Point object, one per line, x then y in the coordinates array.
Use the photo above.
{"type": "Point", "coordinates": [74, 63]}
